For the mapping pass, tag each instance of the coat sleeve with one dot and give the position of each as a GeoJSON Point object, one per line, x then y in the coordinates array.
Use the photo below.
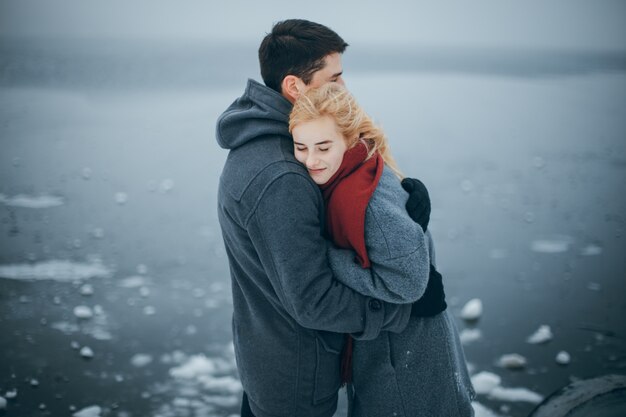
{"type": "Point", "coordinates": [398, 253]}
{"type": "Point", "coordinates": [286, 233]}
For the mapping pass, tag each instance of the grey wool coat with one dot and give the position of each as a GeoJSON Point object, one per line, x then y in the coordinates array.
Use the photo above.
{"type": "Point", "coordinates": [289, 309]}
{"type": "Point", "coordinates": [420, 372]}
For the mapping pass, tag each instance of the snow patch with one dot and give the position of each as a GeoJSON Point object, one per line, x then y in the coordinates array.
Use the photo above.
{"type": "Point", "coordinates": [56, 270]}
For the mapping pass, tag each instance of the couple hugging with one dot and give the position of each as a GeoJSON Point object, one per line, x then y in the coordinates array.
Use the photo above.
{"type": "Point", "coordinates": [332, 265]}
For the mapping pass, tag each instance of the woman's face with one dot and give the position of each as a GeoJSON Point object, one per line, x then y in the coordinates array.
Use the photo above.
{"type": "Point", "coordinates": [320, 146]}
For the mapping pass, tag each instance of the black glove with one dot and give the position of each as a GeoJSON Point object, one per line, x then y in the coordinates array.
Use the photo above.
{"type": "Point", "coordinates": [433, 301]}
{"type": "Point", "coordinates": [418, 205]}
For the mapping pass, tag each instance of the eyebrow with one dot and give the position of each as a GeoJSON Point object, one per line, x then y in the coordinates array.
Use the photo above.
{"type": "Point", "coordinates": [337, 74]}
{"type": "Point", "coordinates": [324, 142]}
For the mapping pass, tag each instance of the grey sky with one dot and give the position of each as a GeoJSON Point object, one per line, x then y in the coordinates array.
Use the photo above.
{"type": "Point", "coordinates": [571, 24]}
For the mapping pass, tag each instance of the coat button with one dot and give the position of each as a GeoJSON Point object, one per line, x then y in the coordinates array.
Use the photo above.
{"type": "Point", "coordinates": [375, 305]}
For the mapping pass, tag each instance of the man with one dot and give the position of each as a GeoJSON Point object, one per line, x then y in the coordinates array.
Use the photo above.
{"type": "Point", "coordinates": [289, 312]}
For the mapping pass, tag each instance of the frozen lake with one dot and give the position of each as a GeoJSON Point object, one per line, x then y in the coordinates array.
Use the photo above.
{"type": "Point", "coordinates": [114, 284]}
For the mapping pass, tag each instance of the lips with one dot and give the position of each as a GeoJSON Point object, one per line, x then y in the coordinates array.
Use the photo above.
{"type": "Point", "coordinates": [316, 171]}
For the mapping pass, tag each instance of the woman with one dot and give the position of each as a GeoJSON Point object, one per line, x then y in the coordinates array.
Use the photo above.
{"type": "Point", "coordinates": [422, 371]}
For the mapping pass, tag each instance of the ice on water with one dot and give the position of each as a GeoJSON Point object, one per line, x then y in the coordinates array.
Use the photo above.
{"type": "Point", "coordinates": [472, 310]}
{"type": "Point", "coordinates": [482, 411]}
{"type": "Point", "coordinates": [512, 361]}
{"type": "Point", "coordinates": [542, 335]}
{"type": "Point", "coordinates": [552, 244]}
{"type": "Point", "coordinates": [56, 270]}
{"type": "Point", "coordinates": [468, 336]}
{"type": "Point", "coordinates": [91, 411]}
{"type": "Point", "coordinates": [487, 383]}
{"type": "Point", "coordinates": [30, 201]}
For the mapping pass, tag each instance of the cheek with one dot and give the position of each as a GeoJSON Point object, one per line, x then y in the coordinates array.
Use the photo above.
{"type": "Point", "coordinates": [337, 159]}
{"type": "Point", "coordinates": [299, 156]}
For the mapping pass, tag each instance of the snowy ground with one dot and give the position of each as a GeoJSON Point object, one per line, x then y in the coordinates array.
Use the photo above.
{"type": "Point", "coordinates": [115, 292]}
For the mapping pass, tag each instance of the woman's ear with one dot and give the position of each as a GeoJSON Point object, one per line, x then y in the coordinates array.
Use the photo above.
{"type": "Point", "coordinates": [292, 87]}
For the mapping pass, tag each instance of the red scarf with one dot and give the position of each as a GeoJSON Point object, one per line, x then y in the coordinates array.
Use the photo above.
{"type": "Point", "coordinates": [347, 194]}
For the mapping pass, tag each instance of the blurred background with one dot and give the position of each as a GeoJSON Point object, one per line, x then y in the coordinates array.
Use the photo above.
{"type": "Point", "coordinates": [114, 285]}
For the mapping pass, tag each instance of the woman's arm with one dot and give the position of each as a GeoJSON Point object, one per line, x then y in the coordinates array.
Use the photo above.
{"type": "Point", "coordinates": [397, 248]}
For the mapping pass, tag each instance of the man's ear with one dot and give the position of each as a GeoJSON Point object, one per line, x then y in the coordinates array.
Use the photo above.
{"type": "Point", "coordinates": [292, 87]}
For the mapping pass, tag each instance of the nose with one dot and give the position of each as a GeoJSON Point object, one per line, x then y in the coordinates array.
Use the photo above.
{"type": "Point", "coordinates": [311, 160]}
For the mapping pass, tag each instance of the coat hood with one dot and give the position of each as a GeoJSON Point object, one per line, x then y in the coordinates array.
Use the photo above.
{"type": "Point", "coordinates": [259, 111]}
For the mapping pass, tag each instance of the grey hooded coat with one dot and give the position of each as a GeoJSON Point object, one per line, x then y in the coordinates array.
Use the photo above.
{"type": "Point", "coordinates": [286, 299]}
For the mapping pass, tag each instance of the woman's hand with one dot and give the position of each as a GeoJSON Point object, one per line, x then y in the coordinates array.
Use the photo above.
{"type": "Point", "coordinates": [433, 301]}
{"type": "Point", "coordinates": [418, 205]}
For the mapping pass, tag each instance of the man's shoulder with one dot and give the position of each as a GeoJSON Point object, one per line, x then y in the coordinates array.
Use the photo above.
{"type": "Point", "coordinates": [251, 169]}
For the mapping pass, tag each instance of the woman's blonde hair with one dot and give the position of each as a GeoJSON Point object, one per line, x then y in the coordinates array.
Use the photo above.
{"type": "Point", "coordinates": [331, 99]}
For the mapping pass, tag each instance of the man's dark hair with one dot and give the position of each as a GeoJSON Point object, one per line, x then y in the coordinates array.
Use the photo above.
{"type": "Point", "coordinates": [296, 47]}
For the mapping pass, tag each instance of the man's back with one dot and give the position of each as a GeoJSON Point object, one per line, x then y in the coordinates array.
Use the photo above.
{"type": "Point", "coordinates": [271, 216]}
